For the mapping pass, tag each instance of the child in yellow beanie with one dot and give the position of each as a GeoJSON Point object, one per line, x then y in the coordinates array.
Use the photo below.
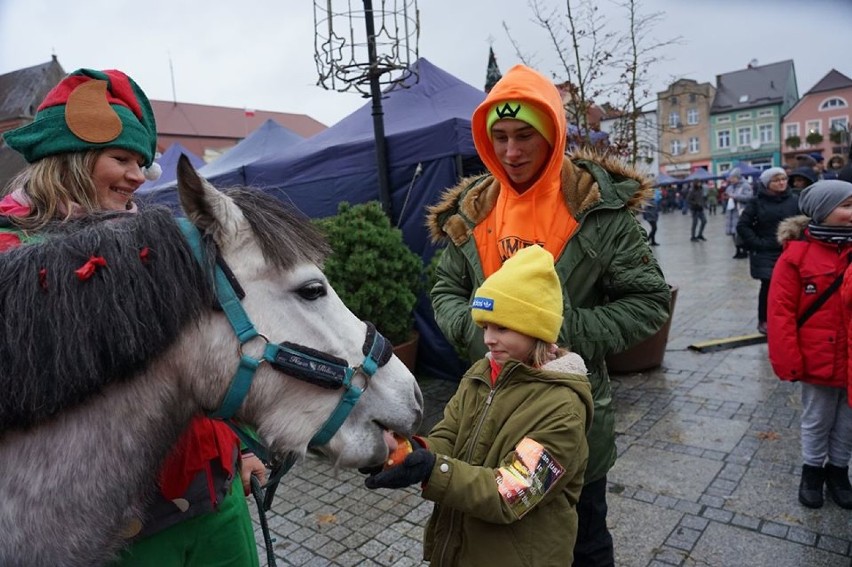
{"type": "Point", "coordinates": [505, 465]}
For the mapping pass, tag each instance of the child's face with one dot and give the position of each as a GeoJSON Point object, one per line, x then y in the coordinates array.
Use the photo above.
{"type": "Point", "coordinates": [841, 215]}
{"type": "Point", "coordinates": [505, 343]}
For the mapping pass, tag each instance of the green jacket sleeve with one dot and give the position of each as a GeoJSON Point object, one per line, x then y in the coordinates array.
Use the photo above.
{"type": "Point", "coordinates": [634, 298]}
{"type": "Point", "coordinates": [473, 490]}
{"type": "Point", "coordinates": [451, 297]}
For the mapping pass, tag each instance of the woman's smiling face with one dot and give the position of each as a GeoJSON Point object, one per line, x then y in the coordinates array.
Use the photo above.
{"type": "Point", "coordinates": [117, 174]}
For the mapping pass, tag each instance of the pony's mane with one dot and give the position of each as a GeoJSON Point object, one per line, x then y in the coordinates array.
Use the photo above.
{"type": "Point", "coordinates": [63, 338]}
{"type": "Point", "coordinates": [286, 236]}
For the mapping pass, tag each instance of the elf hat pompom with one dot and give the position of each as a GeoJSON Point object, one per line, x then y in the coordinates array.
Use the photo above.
{"type": "Point", "coordinates": [88, 110]}
{"type": "Point", "coordinates": [523, 295]}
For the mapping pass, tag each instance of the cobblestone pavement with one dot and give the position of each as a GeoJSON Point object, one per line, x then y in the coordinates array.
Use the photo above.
{"type": "Point", "coordinates": [708, 444]}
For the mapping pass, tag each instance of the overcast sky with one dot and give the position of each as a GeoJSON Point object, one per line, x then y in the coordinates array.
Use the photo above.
{"type": "Point", "coordinates": [260, 53]}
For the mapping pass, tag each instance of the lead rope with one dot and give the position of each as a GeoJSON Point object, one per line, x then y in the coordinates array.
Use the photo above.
{"type": "Point", "coordinates": [257, 492]}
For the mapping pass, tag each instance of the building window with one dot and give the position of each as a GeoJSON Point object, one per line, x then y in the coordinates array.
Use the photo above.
{"type": "Point", "coordinates": [723, 139]}
{"type": "Point", "coordinates": [838, 124]}
{"type": "Point", "coordinates": [834, 102]}
{"type": "Point", "coordinates": [765, 113]}
{"type": "Point", "coordinates": [792, 129]}
{"type": "Point", "coordinates": [762, 164]}
{"type": "Point", "coordinates": [743, 136]}
{"type": "Point", "coordinates": [676, 149]}
{"type": "Point", "coordinates": [744, 116]}
{"type": "Point", "coordinates": [673, 100]}
{"type": "Point", "coordinates": [692, 116]}
{"type": "Point", "coordinates": [692, 97]}
{"type": "Point", "coordinates": [724, 166]}
{"type": "Point", "coordinates": [765, 133]}
{"type": "Point", "coordinates": [723, 120]}
{"type": "Point", "coordinates": [694, 146]}
{"type": "Point", "coordinates": [813, 126]}
{"type": "Point", "coordinates": [674, 120]}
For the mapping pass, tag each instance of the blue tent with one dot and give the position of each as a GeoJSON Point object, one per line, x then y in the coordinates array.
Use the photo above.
{"type": "Point", "coordinates": [168, 162]}
{"type": "Point", "coordinates": [663, 179]}
{"type": "Point", "coordinates": [270, 139]}
{"type": "Point", "coordinates": [746, 169]}
{"type": "Point", "coordinates": [700, 174]}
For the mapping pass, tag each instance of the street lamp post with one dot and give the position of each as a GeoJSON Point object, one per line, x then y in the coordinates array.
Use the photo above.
{"type": "Point", "coordinates": [352, 62]}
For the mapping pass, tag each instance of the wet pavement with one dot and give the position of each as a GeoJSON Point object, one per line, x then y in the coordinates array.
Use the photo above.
{"type": "Point", "coordinates": [709, 458]}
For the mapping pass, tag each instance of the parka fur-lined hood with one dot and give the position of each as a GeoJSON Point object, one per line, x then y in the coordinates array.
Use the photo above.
{"type": "Point", "coordinates": [792, 228]}
{"type": "Point", "coordinates": [470, 201]}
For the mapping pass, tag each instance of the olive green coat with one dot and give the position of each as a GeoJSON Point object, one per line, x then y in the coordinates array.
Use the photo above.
{"type": "Point", "coordinates": [614, 292]}
{"type": "Point", "coordinates": [476, 521]}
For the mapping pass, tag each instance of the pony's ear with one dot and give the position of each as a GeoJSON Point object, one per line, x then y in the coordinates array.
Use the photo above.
{"type": "Point", "coordinates": [206, 207]}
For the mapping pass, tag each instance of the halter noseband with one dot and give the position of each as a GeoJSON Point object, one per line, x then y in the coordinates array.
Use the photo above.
{"type": "Point", "coordinates": [298, 361]}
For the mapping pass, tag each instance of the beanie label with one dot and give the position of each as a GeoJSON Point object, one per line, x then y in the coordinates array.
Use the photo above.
{"type": "Point", "coordinates": [484, 303]}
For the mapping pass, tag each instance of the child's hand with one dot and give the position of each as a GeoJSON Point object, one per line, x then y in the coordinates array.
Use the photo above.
{"type": "Point", "coordinates": [417, 467]}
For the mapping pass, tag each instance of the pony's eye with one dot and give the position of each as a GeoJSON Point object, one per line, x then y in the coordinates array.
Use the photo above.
{"type": "Point", "coordinates": [312, 290]}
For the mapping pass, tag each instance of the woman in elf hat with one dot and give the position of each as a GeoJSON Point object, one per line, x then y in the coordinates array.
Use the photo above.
{"type": "Point", "coordinates": [91, 145]}
{"type": "Point", "coordinates": [505, 465]}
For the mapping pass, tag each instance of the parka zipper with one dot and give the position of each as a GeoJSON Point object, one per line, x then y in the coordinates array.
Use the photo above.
{"type": "Point", "coordinates": [469, 455]}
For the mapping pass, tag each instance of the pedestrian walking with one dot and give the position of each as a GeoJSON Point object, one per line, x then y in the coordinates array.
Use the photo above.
{"type": "Point", "coordinates": [712, 199]}
{"type": "Point", "coordinates": [697, 202]}
{"type": "Point", "coordinates": [651, 214]}
{"type": "Point", "coordinates": [808, 334]}
{"type": "Point", "coordinates": [738, 192]}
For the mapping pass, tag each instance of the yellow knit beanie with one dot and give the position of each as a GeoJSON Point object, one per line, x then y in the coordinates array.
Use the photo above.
{"type": "Point", "coordinates": [523, 295]}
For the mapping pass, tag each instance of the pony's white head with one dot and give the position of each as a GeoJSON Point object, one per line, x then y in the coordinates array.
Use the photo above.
{"type": "Point", "coordinates": [275, 256]}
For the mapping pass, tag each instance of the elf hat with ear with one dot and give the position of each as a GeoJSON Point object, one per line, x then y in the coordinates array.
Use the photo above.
{"type": "Point", "coordinates": [88, 110]}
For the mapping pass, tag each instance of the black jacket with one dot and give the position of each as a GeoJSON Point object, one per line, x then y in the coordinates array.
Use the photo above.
{"type": "Point", "coordinates": [758, 227]}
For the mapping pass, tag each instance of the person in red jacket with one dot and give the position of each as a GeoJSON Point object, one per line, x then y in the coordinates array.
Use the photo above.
{"type": "Point", "coordinates": [90, 146]}
{"type": "Point", "coordinates": [808, 340]}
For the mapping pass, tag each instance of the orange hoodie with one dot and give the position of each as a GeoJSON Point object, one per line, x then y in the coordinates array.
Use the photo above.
{"type": "Point", "coordinates": [539, 215]}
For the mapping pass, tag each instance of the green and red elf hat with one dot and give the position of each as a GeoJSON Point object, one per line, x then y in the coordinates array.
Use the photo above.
{"type": "Point", "coordinates": [87, 110]}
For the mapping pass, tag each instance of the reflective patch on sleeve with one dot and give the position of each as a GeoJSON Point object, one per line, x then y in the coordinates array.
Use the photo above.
{"type": "Point", "coordinates": [526, 475]}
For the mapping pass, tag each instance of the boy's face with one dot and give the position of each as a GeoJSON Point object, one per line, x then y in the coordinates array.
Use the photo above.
{"type": "Point", "coordinates": [521, 149]}
{"type": "Point", "coordinates": [841, 215]}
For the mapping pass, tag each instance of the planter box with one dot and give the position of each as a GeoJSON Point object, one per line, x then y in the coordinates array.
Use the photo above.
{"type": "Point", "coordinates": [407, 351]}
{"type": "Point", "coordinates": [646, 355]}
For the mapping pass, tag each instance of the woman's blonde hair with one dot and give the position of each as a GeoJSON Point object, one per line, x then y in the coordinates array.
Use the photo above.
{"type": "Point", "coordinates": [54, 184]}
{"type": "Point", "coordinates": [541, 353]}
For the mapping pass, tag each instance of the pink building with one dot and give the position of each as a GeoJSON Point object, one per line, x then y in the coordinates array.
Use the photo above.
{"type": "Point", "coordinates": [820, 122]}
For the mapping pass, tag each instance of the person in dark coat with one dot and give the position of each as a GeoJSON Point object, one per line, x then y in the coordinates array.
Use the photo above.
{"type": "Point", "coordinates": [758, 227]}
{"type": "Point", "coordinates": [800, 178]}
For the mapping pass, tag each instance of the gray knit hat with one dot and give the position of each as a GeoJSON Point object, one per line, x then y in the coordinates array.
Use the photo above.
{"type": "Point", "coordinates": [735, 172]}
{"type": "Point", "coordinates": [768, 174]}
{"type": "Point", "coordinates": [818, 200]}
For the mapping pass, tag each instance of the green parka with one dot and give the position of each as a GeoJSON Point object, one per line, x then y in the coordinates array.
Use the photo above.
{"type": "Point", "coordinates": [472, 524]}
{"type": "Point", "coordinates": [614, 292]}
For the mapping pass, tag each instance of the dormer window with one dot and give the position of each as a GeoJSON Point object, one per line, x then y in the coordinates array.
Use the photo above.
{"type": "Point", "coordinates": [743, 98]}
{"type": "Point", "coordinates": [833, 102]}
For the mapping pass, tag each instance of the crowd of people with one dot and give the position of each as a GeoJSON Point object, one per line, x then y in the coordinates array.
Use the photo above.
{"type": "Point", "coordinates": [537, 284]}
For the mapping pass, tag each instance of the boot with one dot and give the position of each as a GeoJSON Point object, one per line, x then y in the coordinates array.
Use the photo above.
{"type": "Point", "coordinates": [810, 489]}
{"type": "Point", "coordinates": [837, 481]}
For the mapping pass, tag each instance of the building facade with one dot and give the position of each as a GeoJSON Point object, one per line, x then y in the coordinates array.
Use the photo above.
{"type": "Point", "coordinates": [745, 124]}
{"type": "Point", "coordinates": [820, 121]}
{"type": "Point", "coordinates": [683, 113]}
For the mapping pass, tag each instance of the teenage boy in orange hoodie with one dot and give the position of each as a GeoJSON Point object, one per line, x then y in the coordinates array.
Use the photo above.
{"type": "Point", "coordinates": [580, 208]}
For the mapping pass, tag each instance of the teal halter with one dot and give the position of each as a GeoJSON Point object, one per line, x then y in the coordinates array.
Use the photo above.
{"type": "Point", "coordinates": [300, 362]}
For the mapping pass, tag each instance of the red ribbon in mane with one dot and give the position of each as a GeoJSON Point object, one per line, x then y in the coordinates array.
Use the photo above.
{"type": "Point", "coordinates": [88, 269]}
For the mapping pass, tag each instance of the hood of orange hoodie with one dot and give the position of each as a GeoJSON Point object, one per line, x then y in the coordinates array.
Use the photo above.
{"type": "Point", "coordinates": [523, 84]}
